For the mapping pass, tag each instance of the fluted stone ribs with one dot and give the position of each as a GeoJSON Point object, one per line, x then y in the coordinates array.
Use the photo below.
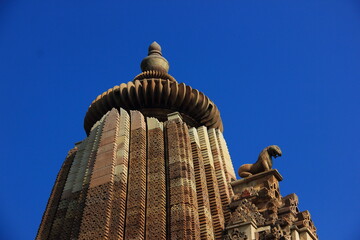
{"type": "Point", "coordinates": [137, 178]}
{"type": "Point", "coordinates": [156, 182]}
{"type": "Point", "coordinates": [223, 185]}
{"type": "Point", "coordinates": [179, 224]}
{"type": "Point", "coordinates": [96, 216]}
{"type": "Point", "coordinates": [67, 198]}
{"type": "Point", "coordinates": [118, 206]}
{"type": "Point", "coordinates": [183, 201]}
{"type": "Point", "coordinates": [91, 150]}
{"type": "Point", "coordinates": [53, 203]}
{"type": "Point", "coordinates": [205, 219]}
{"type": "Point", "coordinates": [212, 183]}
{"type": "Point", "coordinates": [79, 191]}
{"type": "Point", "coordinates": [195, 222]}
{"type": "Point", "coordinates": [74, 192]}
{"type": "Point", "coordinates": [69, 213]}
{"type": "Point", "coordinates": [158, 93]}
{"type": "Point", "coordinates": [136, 205]}
{"type": "Point", "coordinates": [228, 166]}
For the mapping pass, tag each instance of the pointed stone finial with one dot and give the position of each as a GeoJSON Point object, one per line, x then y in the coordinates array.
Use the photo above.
{"type": "Point", "coordinates": [155, 60]}
{"type": "Point", "coordinates": [155, 48]}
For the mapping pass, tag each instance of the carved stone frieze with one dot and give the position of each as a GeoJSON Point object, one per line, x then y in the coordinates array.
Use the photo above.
{"type": "Point", "coordinates": [235, 234]}
{"type": "Point", "coordinates": [246, 212]}
{"type": "Point", "coordinates": [246, 193]}
{"type": "Point", "coordinates": [276, 232]}
{"type": "Point", "coordinates": [271, 211]}
{"type": "Point", "coordinates": [257, 199]}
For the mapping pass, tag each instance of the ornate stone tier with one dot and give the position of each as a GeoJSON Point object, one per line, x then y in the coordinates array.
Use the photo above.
{"type": "Point", "coordinates": [156, 94]}
{"type": "Point", "coordinates": [260, 212]}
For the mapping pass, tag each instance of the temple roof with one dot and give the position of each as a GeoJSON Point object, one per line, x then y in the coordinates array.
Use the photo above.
{"type": "Point", "coordinates": [156, 93]}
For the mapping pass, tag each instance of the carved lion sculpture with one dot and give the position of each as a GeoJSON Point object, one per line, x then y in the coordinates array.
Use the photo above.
{"type": "Point", "coordinates": [264, 162]}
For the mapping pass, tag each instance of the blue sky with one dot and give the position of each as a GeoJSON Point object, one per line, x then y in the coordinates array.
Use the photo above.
{"type": "Point", "coordinates": [281, 72]}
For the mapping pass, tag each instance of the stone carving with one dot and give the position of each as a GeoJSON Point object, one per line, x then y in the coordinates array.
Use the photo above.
{"type": "Point", "coordinates": [51, 213]}
{"type": "Point", "coordinates": [264, 162]}
{"type": "Point", "coordinates": [220, 173]}
{"type": "Point", "coordinates": [276, 232]}
{"type": "Point", "coordinates": [259, 210]}
{"type": "Point", "coordinates": [155, 60]}
{"type": "Point", "coordinates": [183, 200]}
{"type": "Point", "coordinates": [156, 182]}
{"type": "Point", "coordinates": [205, 219]}
{"type": "Point", "coordinates": [195, 107]}
{"type": "Point", "coordinates": [235, 234]}
{"type": "Point", "coordinates": [290, 204]}
{"type": "Point", "coordinates": [246, 212]}
{"type": "Point", "coordinates": [271, 212]}
{"type": "Point", "coordinates": [137, 178]}
{"type": "Point", "coordinates": [216, 207]}
{"type": "Point", "coordinates": [270, 189]}
{"type": "Point", "coordinates": [246, 193]}
{"type": "Point", "coordinates": [304, 221]}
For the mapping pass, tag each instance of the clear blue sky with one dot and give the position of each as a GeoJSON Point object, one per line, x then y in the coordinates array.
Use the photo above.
{"type": "Point", "coordinates": [281, 72]}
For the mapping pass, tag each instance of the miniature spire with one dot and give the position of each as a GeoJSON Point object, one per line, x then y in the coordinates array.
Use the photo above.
{"type": "Point", "coordinates": [155, 60]}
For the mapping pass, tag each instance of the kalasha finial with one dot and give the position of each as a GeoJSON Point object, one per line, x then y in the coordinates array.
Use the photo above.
{"type": "Point", "coordinates": [154, 48]}
{"type": "Point", "coordinates": [155, 60]}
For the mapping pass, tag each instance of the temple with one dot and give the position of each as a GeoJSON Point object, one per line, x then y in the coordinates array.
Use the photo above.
{"type": "Point", "coordinates": [155, 165]}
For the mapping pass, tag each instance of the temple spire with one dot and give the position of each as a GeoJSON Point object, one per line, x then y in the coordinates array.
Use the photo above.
{"type": "Point", "coordinates": [155, 61]}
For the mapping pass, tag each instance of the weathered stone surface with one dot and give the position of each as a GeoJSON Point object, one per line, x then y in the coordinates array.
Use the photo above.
{"type": "Point", "coordinates": [136, 198]}
{"type": "Point", "coordinates": [53, 203]}
{"type": "Point", "coordinates": [257, 200]}
{"type": "Point", "coordinates": [154, 178]}
{"type": "Point", "coordinates": [95, 222]}
{"type": "Point", "coordinates": [212, 183]}
{"type": "Point", "coordinates": [182, 187]}
{"type": "Point", "coordinates": [118, 205]}
{"type": "Point", "coordinates": [156, 182]}
{"type": "Point", "coordinates": [205, 219]}
{"type": "Point", "coordinates": [263, 163]}
{"type": "Point", "coordinates": [223, 184]}
{"type": "Point", "coordinates": [195, 222]}
{"type": "Point", "coordinates": [156, 93]}
{"type": "Point", "coordinates": [228, 166]}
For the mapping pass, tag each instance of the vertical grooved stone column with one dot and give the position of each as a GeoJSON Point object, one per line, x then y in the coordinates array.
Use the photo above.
{"type": "Point", "coordinates": [205, 219]}
{"type": "Point", "coordinates": [183, 204]}
{"type": "Point", "coordinates": [97, 212]}
{"type": "Point", "coordinates": [192, 186]}
{"type": "Point", "coordinates": [91, 155]}
{"type": "Point", "coordinates": [228, 166]}
{"type": "Point", "coordinates": [136, 198]}
{"type": "Point", "coordinates": [52, 205]}
{"type": "Point", "coordinates": [185, 182]}
{"type": "Point", "coordinates": [74, 210]}
{"type": "Point", "coordinates": [91, 162]}
{"type": "Point", "coordinates": [67, 197]}
{"type": "Point", "coordinates": [212, 184]}
{"type": "Point", "coordinates": [117, 225]}
{"type": "Point", "coordinates": [156, 182]}
{"type": "Point", "coordinates": [177, 221]}
{"type": "Point", "coordinates": [220, 174]}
